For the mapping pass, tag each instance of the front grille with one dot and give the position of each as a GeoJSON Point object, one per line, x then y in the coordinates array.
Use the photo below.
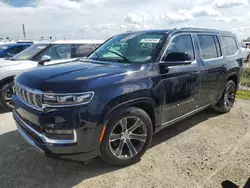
{"type": "Point", "coordinates": [30, 96]}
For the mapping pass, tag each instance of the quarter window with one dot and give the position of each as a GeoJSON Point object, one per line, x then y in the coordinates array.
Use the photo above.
{"type": "Point", "coordinates": [210, 46]}
{"type": "Point", "coordinates": [181, 44]}
{"type": "Point", "coordinates": [230, 45]}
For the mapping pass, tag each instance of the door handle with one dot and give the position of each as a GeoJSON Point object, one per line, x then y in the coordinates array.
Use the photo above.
{"type": "Point", "coordinates": [195, 72]}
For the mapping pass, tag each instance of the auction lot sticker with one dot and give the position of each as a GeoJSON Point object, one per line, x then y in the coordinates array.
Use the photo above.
{"type": "Point", "coordinates": [150, 40]}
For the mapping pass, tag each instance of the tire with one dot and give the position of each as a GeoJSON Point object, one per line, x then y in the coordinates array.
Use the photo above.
{"type": "Point", "coordinates": [227, 100]}
{"type": "Point", "coordinates": [109, 149]}
{"type": "Point", "coordinates": [6, 92]}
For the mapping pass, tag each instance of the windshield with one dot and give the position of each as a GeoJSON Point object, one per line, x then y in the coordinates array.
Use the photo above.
{"type": "Point", "coordinates": [29, 52]}
{"type": "Point", "coordinates": [129, 48]}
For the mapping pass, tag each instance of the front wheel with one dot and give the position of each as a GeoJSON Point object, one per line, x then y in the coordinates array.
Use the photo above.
{"type": "Point", "coordinates": [128, 136]}
{"type": "Point", "coordinates": [6, 95]}
{"type": "Point", "coordinates": [227, 100]}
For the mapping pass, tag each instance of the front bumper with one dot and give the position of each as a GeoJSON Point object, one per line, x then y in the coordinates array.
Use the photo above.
{"type": "Point", "coordinates": [41, 136]}
{"type": "Point", "coordinates": [51, 147]}
{"type": "Point", "coordinates": [82, 145]}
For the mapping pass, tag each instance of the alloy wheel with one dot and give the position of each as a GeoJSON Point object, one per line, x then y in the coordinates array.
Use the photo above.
{"type": "Point", "coordinates": [8, 97]}
{"type": "Point", "coordinates": [127, 137]}
{"type": "Point", "coordinates": [229, 96]}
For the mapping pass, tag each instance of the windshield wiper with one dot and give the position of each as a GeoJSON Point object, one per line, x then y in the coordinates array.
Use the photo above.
{"type": "Point", "coordinates": [122, 56]}
{"type": "Point", "coordinates": [98, 57]}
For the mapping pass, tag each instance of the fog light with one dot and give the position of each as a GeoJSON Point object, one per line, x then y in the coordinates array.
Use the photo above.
{"type": "Point", "coordinates": [58, 131]}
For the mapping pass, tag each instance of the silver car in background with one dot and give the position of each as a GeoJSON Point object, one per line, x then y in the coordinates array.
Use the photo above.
{"type": "Point", "coordinates": [40, 54]}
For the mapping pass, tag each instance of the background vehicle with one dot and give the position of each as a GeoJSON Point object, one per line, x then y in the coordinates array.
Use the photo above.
{"type": "Point", "coordinates": [132, 86]}
{"type": "Point", "coordinates": [9, 68]}
{"type": "Point", "coordinates": [9, 50]}
{"type": "Point", "coordinates": [245, 51]}
{"type": "Point", "coordinates": [65, 50]}
{"type": "Point", "coordinates": [39, 54]}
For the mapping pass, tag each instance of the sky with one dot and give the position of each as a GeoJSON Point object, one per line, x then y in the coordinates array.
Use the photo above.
{"type": "Point", "coordinates": [101, 19]}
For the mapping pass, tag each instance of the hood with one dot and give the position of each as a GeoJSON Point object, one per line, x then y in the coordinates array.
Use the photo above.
{"type": "Point", "coordinates": [8, 62]}
{"type": "Point", "coordinates": [77, 76]}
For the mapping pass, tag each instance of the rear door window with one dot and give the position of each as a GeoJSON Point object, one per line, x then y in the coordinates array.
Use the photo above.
{"type": "Point", "coordinates": [230, 45]}
{"type": "Point", "coordinates": [82, 50]}
{"type": "Point", "coordinates": [210, 46]}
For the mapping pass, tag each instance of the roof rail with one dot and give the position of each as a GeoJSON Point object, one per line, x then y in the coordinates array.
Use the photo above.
{"type": "Point", "coordinates": [194, 28]}
{"type": "Point", "coordinates": [200, 29]}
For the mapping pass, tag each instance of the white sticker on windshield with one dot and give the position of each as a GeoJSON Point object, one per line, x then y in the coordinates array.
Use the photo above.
{"type": "Point", "coordinates": [150, 40]}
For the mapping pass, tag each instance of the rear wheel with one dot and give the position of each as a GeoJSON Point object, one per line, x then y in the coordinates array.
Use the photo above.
{"type": "Point", "coordinates": [128, 136]}
{"type": "Point", "coordinates": [6, 95]}
{"type": "Point", "coordinates": [227, 100]}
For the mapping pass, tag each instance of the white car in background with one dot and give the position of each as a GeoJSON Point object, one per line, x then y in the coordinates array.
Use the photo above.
{"type": "Point", "coordinates": [66, 50]}
{"type": "Point", "coordinates": [38, 55]}
{"type": "Point", "coordinates": [245, 50]}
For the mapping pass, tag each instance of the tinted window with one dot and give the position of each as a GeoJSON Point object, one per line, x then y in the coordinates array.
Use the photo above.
{"type": "Point", "coordinates": [181, 44]}
{"type": "Point", "coordinates": [3, 47]}
{"type": "Point", "coordinates": [82, 50]}
{"type": "Point", "coordinates": [230, 45]}
{"type": "Point", "coordinates": [210, 47]}
{"type": "Point", "coordinates": [15, 50]}
{"type": "Point", "coordinates": [55, 51]}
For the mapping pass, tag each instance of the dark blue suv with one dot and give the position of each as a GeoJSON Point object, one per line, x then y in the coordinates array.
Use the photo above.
{"type": "Point", "coordinates": [9, 50]}
{"type": "Point", "coordinates": [132, 86]}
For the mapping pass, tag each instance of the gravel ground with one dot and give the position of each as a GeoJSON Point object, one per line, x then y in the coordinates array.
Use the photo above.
{"type": "Point", "coordinates": [206, 150]}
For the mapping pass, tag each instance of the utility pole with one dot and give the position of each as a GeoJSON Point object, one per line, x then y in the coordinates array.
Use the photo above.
{"type": "Point", "coordinates": [24, 34]}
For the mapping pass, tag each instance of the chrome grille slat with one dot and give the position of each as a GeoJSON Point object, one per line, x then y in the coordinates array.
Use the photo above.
{"type": "Point", "coordinates": [34, 98]}
{"type": "Point", "coordinates": [31, 97]}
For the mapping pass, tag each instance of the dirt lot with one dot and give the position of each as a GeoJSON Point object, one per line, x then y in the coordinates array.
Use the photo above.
{"type": "Point", "coordinates": [202, 151]}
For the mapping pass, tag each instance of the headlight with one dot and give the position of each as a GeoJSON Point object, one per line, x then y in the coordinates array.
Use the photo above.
{"type": "Point", "coordinates": [67, 99]}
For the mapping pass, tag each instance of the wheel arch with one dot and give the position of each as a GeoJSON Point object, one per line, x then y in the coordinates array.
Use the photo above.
{"type": "Point", "coordinates": [6, 80]}
{"type": "Point", "coordinates": [145, 103]}
{"type": "Point", "coordinates": [235, 78]}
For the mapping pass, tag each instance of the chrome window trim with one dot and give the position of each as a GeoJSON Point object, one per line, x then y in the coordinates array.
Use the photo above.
{"type": "Point", "coordinates": [42, 136]}
{"type": "Point", "coordinates": [210, 59]}
{"type": "Point", "coordinates": [173, 37]}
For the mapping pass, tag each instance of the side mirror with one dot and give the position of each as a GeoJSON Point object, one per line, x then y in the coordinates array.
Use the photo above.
{"type": "Point", "coordinates": [44, 59]}
{"type": "Point", "coordinates": [177, 56]}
